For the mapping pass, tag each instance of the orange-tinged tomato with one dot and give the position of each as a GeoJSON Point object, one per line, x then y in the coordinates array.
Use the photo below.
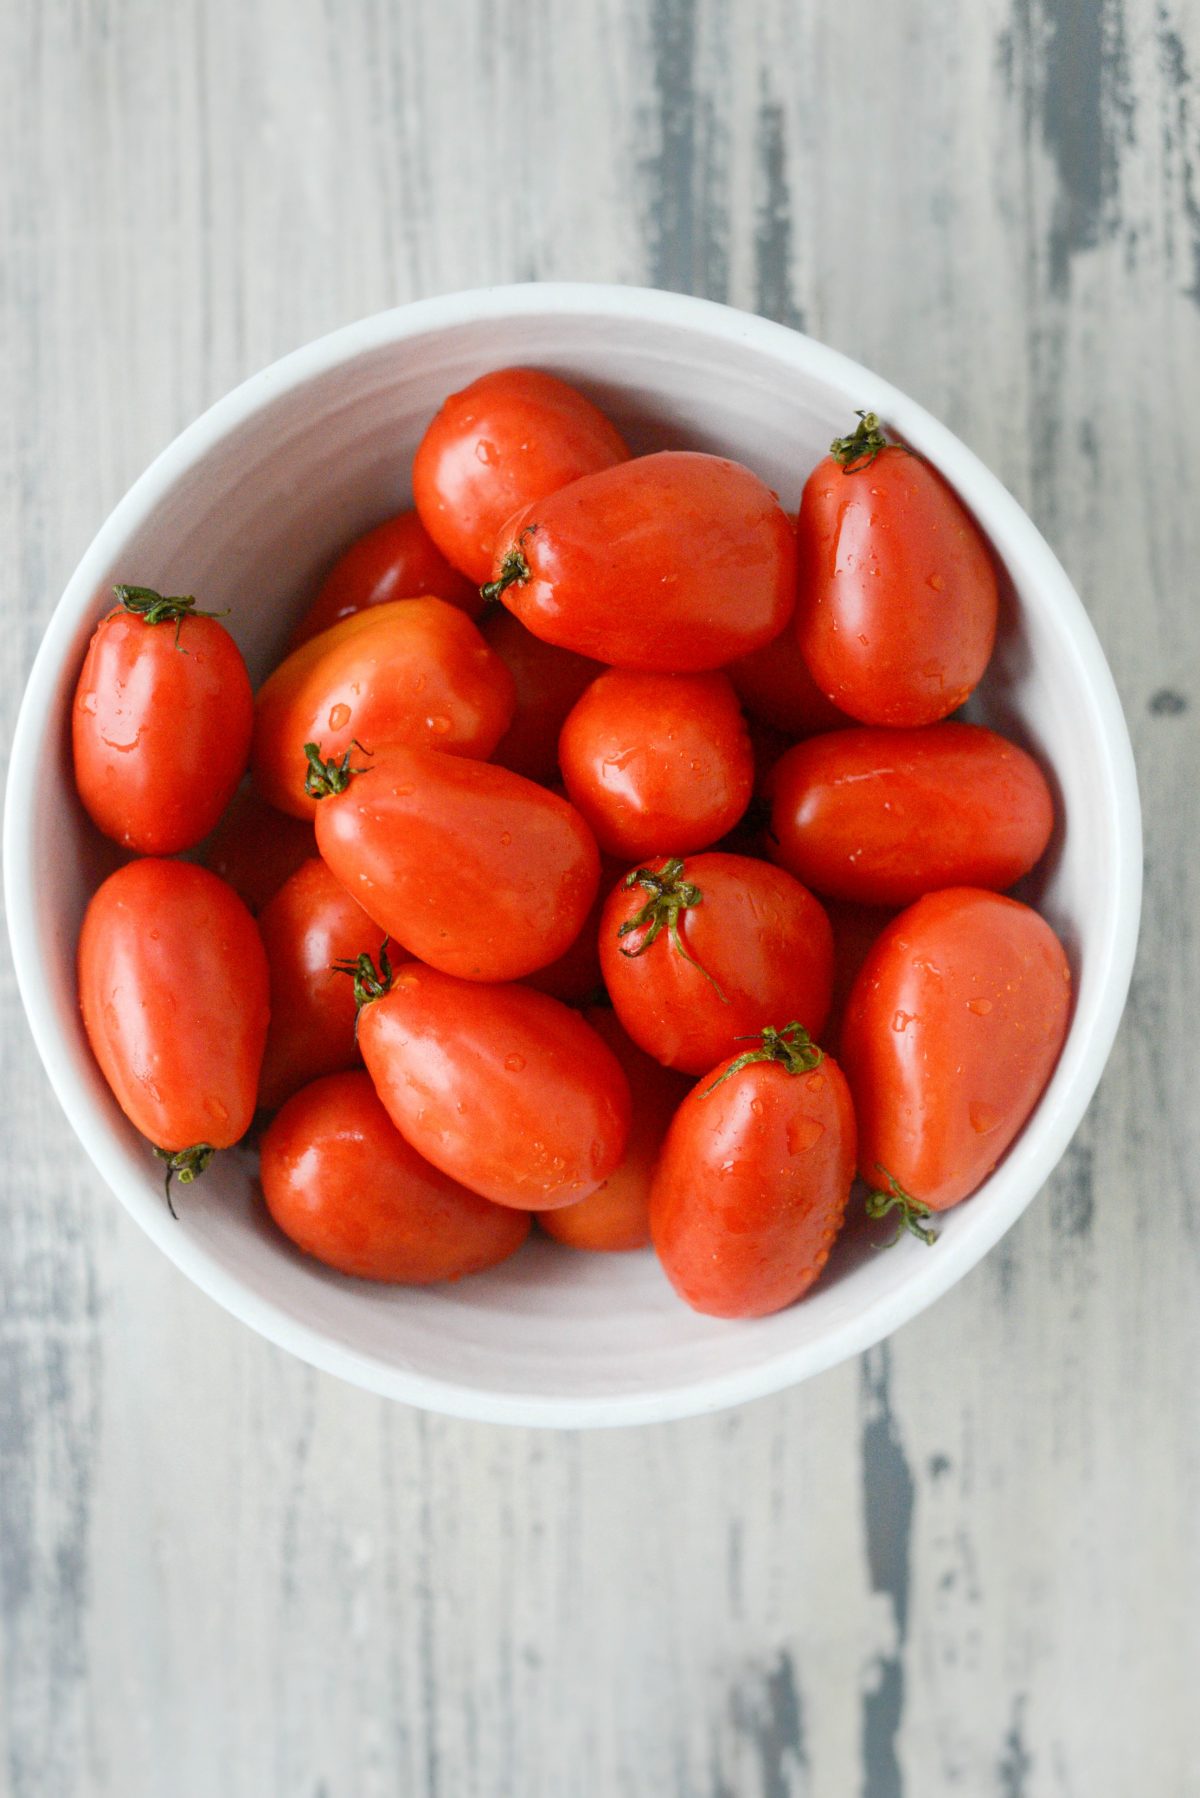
{"type": "Point", "coordinates": [548, 681]}
{"type": "Point", "coordinates": [409, 673]}
{"type": "Point", "coordinates": [397, 559]}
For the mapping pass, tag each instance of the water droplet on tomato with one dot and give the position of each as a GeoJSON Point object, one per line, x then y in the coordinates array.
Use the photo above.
{"type": "Point", "coordinates": [88, 702]}
{"type": "Point", "coordinates": [901, 1021]}
{"type": "Point", "coordinates": [485, 452]}
{"type": "Point", "coordinates": [506, 837]}
{"type": "Point", "coordinates": [935, 581]}
{"type": "Point", "coordinates": [439, 724]}
{"type": "Point", "coordinates": [980, 1007]}
{"type": "Point", "coordinates": [756, 1106]}
{"type": "Point", "coordinates": [804, 1133]}
{"type": "Point", "coordinates": [983, 1117]}
{"type": "Point", "coordinates": [514, 1063]}
{"type": "Point", "coordinates": [339, 717]}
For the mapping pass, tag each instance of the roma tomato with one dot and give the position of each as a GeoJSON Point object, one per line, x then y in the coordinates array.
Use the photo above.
{"type": "Point", "coordinates": [576, 977]}
{"type": "Point", "coordinates": [657, 763]}
{"type": "Point", "coordinates": [311, 923]}
{"type": "Point", "coordinates": [753, 1180]}
{"type": "Point", "coordinates": [776, 687]}
{"type": "Point", "coordinates": [952, 1030]}
{"type": "Point", "coordinates": [548, 681]}
{"type": "Point", "coordinates": [161, 723]}
{"type": "Point", "coordinates": [856, 930]}
{"type": "Point", "coordinates": [475, 870]}
{"type": "Point", "coordinates": [398, 559]}
{"type": "Point", "coordinates": [341, 1181]}
{"type": "Point", "coordinates": [508, 439]}
{"type": "Point", "coordinates": [503, 1088]}
{"type": "Point", "coordinates": [898, 600]}
{"type": "Point", "coordinates": [882, 816]}
{"type": "Point", "coordinates": [674, 563]}
{"type": "Point", "coordinates": [173, 990]}
{"type": "Point", "coordinates": [698, 953]}
{"type": "Point", "coordinates": [255, 848]}
{"type": "Point", "coordinates": [617, 1215]}
{"type": "Point", "coordinates": [414, 671]}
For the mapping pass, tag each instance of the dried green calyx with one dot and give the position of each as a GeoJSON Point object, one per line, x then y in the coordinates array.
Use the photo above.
{"type": "Point", "coordinates": [792, 1048]}
{"type": "Point", "coordinates": [370, 983]}
{"type": "Point", "coordinates": [910, 1211]}
{"type": "Point", "coordinates": [861, 447]}
{"type": "Point", "coordinates": [153, 607]}
{"type": "Point", "coordinates": [184, 1165]}
{"type": "Point", "coordinates": [670, 895]}
{"type": "Point", "coordinates": [324, 778]}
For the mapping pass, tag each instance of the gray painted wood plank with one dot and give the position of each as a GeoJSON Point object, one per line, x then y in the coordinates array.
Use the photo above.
{"type": "Point", "coordinates": [967, 1563]}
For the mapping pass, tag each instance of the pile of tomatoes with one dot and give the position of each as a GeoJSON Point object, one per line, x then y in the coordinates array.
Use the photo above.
{"type": "Point", "coordinates": [609, 858]}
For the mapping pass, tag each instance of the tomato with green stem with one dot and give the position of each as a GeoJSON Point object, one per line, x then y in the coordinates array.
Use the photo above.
{"type": "Point", "coordinates": [951, 1033]}
{"type": "Point", "coordinates": [397, 559]}
{"type": "Point", "coordinates": [754, 1177]}
{"type": "Point", "coordinates": [512, 437]}
{"type": "Point", "coordinates": [173, 987]}
{"type": "Point", "coordinates": [700, 951]}
{"type": "Point", "coordinates": [897, 588]}
{"type": "Point", "coordinates": [504, 1089]}
{"type": "Point", "coordinates": [674, 563]}
{"type": "Point", "coordinates": [161, 722]}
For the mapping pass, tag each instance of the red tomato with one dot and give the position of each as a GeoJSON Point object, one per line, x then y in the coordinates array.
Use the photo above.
{"type": "Point", "coordinates": [341, 1181]}
{"type": "Point", "coordinates": [173, 990]}
{"type": "Point", "coordinates": [255, 848]}
{"type": "Point", "coordinates": [475, 870]}
{"type": "Point", "coordinates": [311, 923]}
{"type": "Point", "coordinates": [951, 1033]}
{"type": "Point", "coordinates": [856, 929]}
{"type": "Point", "coordinates": [898, 599]}
{"type": "Point", "coordinates": [161, 723]}
{"type": "Point", "coordinates": [548, 680]}
{"type": "Point", "coordinates": [576, 976]}
{"type": "Point", "coordinates": [502, 1088]}
{"type": "Point", "coordinates": [775, 686]}
{"type": "Point", "coordinates": [677, 562]}
{"type": "Point", "coordinates": [617, 1215]}
{"type": "Point", "coordinates": [699, 953]}
{"type": "Point", "coordinates": [396, 560]}
{"type": "Point", "coordinates": [882, 816]}
{"type": "Point", "coordinates": [415, 671]}
{"type": "Point", "coordinates": [348, 1189]}
{"type": "Point", "coordinates": [657, 763]}
{"type": "Point", "coordinates": [508, 439]}
{"type": "Point", "coordinates": [752, 1183]}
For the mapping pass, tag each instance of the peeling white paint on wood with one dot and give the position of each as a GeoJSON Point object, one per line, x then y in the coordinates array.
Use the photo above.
{"type": "Point", "coordinates": [968, 1564]}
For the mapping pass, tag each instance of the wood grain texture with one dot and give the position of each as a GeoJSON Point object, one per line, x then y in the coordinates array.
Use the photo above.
{"type": "Point", "coordinates": [969, 1563]}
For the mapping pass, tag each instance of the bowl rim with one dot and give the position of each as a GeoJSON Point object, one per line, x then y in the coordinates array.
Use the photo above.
{"type": "Point", "coordinates": [982, 491]}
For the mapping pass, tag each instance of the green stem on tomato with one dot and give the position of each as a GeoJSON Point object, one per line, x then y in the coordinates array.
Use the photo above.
{"type": "Point", "coordinates": [670, 895]}
{"type": "Point", "coordinates": [514, 568]}
{"type": "Point", "coordinates": [324, 778]}
{"type": "Point", "coordinates": [860, 448]}
{"type": "Point", "coordinates": [184, 1165]}
{"type": "Point", "coordinates": [153, 607]}
{"type": "Point", "coordinates": [792, 1048]}
{"type": "Point", "coordinates": [369, 983]}
{"type": "Point", "coordinates": [879, 1203]}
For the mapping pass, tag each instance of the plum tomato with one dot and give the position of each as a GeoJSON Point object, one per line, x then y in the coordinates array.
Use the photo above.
{"type": "Point", "coordinates": [311, 923]}
{"type": "Point", "coordinates": [502, 1088]}
{"type": "Point", "coordinates": [882, 816]}
{"type": "Point", "coordinates": [658, 764]}
{"type": "Point", "coordinates": [344, 1185]}
{"type": "Point", "coordinates": [411, 672]}
{"type": "Point", "coordinates": [897, 589]}
{"type": "Point", "coordinates": [775, 686]}
{"type": "Point", "coordinates": [472, 868]}
{"type": "Point", "coordinates": [255, 848]}
{"type": "Point", "coordinates": [674, 563]}
{"type": "Point", "coordinates": [699, 953]}
{"type": "Point", "coordinates": [856, 929]}
{"type": "Point", "coordinates": [753, 1180]}
{"type": "Point", "coordinates": [161, 722]}
{"type": "Point", "coordinates": [397, 559]}
{"type": "Point", "coordinates": [508, 439]}
{"type": "Point", "coordinates": [617, 1215]}
{"type": "Point", "coordinates": [951, 1033]}
{"type": "Point", "coordinates": [173, 989]}
{"type": "Point", "coordinates": [576, 977]}
{"type": "Point", "coordinates": [548, 681]}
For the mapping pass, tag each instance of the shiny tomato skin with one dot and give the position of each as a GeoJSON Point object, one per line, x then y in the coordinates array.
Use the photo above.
{"type": "Point", "coordinates": [898, 598]}
{"type": "Point", "coordinates": [882, 816]}
{"type": "Point", "coordinates": [951, 1033]}
{"type": "Point", "coordinates": [503, 1088]}
{"type": "Point", "coordinates": [548, 681]}
{"type": "Point", "coordinates": [674, 563]}
{"type": "Point", "coordinates": [757, 934]}
{"type": "Point", "coordinates": [776, 686]}
{"type": "Point", "coordinates": [576, 977]}
{"type": "Point", "coordinates": [397, 559]}
{"type": "Point", "coordinates": [411, 672]}
{"type": "Point", "coordinates": [658, 764]}
{"type": "Point", "coordinates": [310, 923]}
{"type": "Point", "coordinates": [751, 1187]}
{"type": "Point", "coordinates": [342, 1183]}
{"type": "Point", "coordinates": [160, 729]}
{"type": "Point", "coordinates": [617, 1215]}
{"type": "Point", "coordinates": [173, 989]}
{"type": "Point", "coordinates": [254, 848]}
{"type": "Point", "coordinates": [474, 869]}
{"type": "Point", "coordinates": [507, 440]}
{"type": "Point", "coordinates": [856, 929]}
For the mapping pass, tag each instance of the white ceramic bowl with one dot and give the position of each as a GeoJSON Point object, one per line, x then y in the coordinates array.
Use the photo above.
{"type": "Point", "coordinates": [245, 509]}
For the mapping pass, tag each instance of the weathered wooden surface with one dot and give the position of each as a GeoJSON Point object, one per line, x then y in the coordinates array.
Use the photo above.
{"type": "Point", "coordinates": [968, 1564]}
